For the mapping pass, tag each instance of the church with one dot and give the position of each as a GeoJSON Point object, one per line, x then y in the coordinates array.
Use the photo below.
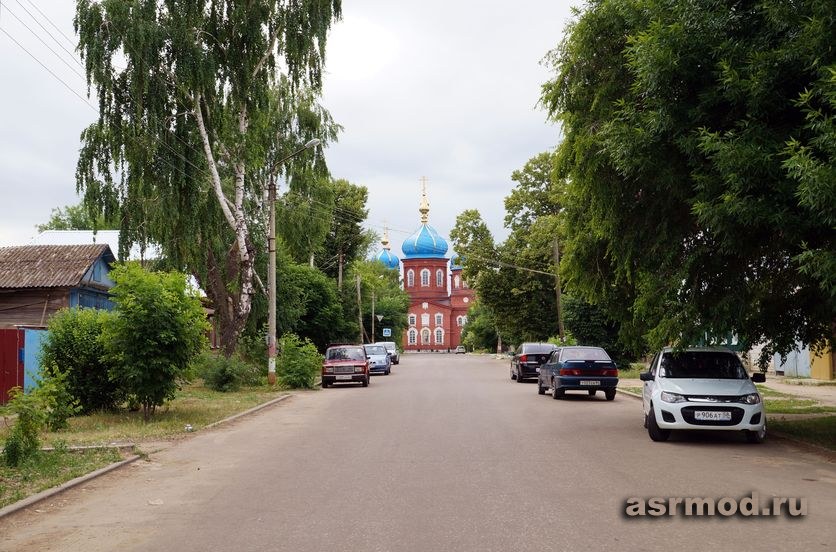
{"type": "Point", "coordinates": [439, 296]}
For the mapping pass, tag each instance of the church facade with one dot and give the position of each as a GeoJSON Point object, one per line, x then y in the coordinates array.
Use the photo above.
{"type": "Point", "coordinates": [439, 296]}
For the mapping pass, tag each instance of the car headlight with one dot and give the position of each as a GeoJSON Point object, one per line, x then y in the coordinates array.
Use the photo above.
{"type": "Point", "coordinates": [672, 397]}
{"type": "Point", "coordinates": [329, 370]}
{"type": "Point", "coordinates": [751, 398]}
{"type": "Point", "coordinates": [359, 369]}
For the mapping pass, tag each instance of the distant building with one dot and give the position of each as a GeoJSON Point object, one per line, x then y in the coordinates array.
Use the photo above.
{"type": "Point", "coordinates": [437, 313]}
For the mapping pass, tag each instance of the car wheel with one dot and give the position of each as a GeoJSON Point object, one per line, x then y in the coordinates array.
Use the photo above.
{"type": "Point", "coordinates": [325, 384]}
{"type": "Point", "coordinates": [591, 392]}
{"type": "Point", "coordinates": [540, 389]}
{"type": "Point", "coordinates": [557, 393]}
{"type": "Point", "coordinates": [756, 437]}
{"type": "Point", "coordinates": [610, 394]}
{"type": "Point", "coordinates": [366, 381]}
{"type": "Point", "coordinates": [656, 433]}
{"type": "Point", "coordinates": [513, 375]}
{"type": "Point", "coordinates": [519, 378]}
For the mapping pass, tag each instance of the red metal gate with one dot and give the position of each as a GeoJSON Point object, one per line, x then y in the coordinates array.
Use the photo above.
{"type": "Point", "coordinates": [11, 362]}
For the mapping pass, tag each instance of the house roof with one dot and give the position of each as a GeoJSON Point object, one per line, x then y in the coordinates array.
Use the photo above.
{"type": "Point", "coordinates": [83, 237]}
{"type": "Point", "coordinates": [47, 266]}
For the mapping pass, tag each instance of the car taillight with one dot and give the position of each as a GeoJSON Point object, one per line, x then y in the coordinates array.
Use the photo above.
{"type": "Point", "coordinates": [523, 358]}
{"type": "Point", "coordinates": [359, 369]}
{"type": "Point", "coordinates": [613, 373]}
{"type": "Point", "coordinates": [570, 372]}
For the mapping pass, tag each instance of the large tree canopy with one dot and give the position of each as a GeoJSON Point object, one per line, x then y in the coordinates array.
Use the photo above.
{"type": "Point", "coordinates": [199, 101]}
{"type": "Point", "coordinates": [699, 150]}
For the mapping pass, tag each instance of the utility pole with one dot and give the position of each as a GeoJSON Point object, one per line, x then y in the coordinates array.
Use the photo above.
{"type": "Point", "coordinates": [557, 290]}
{"type": "Point", "coordinates": [359, 310]}
{"type": "Point", "coordinates": [340, 273]}
{"type": "Point", "coordinates": [372, 340]}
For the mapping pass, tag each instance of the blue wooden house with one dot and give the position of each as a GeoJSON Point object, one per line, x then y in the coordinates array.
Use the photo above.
{"type": "Point", "coordinates": [35, 282]}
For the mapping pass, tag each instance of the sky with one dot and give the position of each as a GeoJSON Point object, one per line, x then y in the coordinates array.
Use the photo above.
{"type": "Point", "coordinates": [446, 90]}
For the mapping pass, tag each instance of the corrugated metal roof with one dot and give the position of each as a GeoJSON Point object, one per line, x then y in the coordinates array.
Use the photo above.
{"type": "Point", "coordinates": [83, 237]}
{"type": "Point", "coordinates": [45, 266]}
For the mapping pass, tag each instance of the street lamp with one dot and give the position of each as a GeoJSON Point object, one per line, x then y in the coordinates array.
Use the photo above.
{"type": "Point", "coordinates": [271, 269]}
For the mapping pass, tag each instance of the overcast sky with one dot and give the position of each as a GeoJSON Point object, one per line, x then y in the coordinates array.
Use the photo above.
{"type": "Point", "coordinates": [442, 89]}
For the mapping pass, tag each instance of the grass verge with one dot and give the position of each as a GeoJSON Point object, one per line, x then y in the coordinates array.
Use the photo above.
{"type": "Point", "coordinates": [636, 390]}
{"type": "Point", "coordinates": [818, 431]}
{"type": "Point", "coordinates": [633, 372]}
{"type": "Point", "coordinates": [48, 469]}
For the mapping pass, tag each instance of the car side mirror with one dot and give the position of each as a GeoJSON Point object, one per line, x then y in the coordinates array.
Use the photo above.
{"type": "Point", "coordinates": [759, 377]}
{"type": "Point", "coordinates": [647, 376]}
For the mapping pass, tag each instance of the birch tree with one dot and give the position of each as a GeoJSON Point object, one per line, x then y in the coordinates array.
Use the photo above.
{"type": "Point", "coordinates": [198, 101]}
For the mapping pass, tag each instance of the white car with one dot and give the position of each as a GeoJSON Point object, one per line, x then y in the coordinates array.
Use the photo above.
{"type": "Point", "coordinates": [701, 388]}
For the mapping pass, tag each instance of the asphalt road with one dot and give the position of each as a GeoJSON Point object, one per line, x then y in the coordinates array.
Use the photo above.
{"type": "Point", "coordinates": [445, 454]}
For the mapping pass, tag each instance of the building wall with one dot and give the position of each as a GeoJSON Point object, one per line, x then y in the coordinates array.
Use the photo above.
{"type": "Point", "coordinates": [31, 307]}
{"type": "Point", "coordinates": [822, 366]}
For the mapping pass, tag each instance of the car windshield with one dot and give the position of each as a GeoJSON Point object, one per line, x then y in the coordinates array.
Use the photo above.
{"type": "Point", "coordinates": [537, 348]}
{"type": "Point", "coordinates": [583, 353]}
{"type": "Point", "coordinates": [345, 353]}
{"type": "Point", "coordinates": [702, 364]}
{"type": "Point", "coordinates": [375, 350]}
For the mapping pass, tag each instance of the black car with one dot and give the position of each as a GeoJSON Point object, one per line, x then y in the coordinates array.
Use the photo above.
{"type": "Point", "coordinates": [578, 368]}
{"type": "Point", "coordinates": [528, 359]}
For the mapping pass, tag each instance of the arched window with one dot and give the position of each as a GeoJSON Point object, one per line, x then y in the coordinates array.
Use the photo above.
{"type": "Point", "coordinates": [412, 319]}
{"type": "Point", "coordinates": [439, 278]}
{"type": "Point", "coordinates": [425, 319]}
{"type": "Point", "coordinates": [439, 336]}
{"type": "Point", "coordinates": [410, 278]}
{"type": "Point", "coordinates": [413, 336]}
{"type": "Point", "coordinates": [460, 321]}
{"type": "Point", "coordinates": [464, 320]}
{"type": "Point", "coordinates": [425, 277]}
{"type": "Point", "coordinates": [456, 281]}
{"type": "Point", "coordinates": [425, 336]}
{"type": "Point", "coordinates": [439, 319]}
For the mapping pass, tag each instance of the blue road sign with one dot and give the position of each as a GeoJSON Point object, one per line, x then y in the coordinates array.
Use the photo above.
{"type": "Point", "coordinates": [387, 332]}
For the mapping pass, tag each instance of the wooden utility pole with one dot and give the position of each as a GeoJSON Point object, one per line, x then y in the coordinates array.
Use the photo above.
{"type": "Point", "coordinates": [340, 273]}
{"type": "Point", "coordinates": [372, 340]}
{"type": "Point", "coordinates": [359, 310]}
{"type": "Point", "coordinates": [557, 290]}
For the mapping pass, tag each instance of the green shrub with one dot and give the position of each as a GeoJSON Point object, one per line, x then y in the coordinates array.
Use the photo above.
{"type": "Point", "coordinates": [158, 329]}
{"type": "Point", "coordinates": [227, 374]}
{"type": "Point", "coordinates": [252, 348]}
{"type": "Point", "coordinates": [74, 347]}
{"type": "Point", "coordinates": [299, 364]}
{"type": "Point", "coordinates": [24, 441]}
{"type": "Point", "coordinates": [57, 402]}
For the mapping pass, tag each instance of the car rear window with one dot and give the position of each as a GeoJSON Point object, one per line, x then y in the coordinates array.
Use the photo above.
{"type": "Point", "coordinates": [375, 350]}
{"type": "Point", "coordinates": [702, 364]}
{"type": "Point", "coordinates": [536, 348]}
{"type": "Point", "coordinates": [345, 353]}
{"type": "Point", "coordinates": [583, 353]}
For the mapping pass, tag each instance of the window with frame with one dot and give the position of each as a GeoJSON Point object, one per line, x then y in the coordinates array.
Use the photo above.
{"type": "Point", "coordinates": [460, 321]}
{"type": "Point", "coordinates": [439, 336]}
{"type": "Point", "coordinates": [425, 336]}
{"type": "Point", "coordinates": [412, 319]}
{"type": "Point", "coordinates": [439, 278]}
{"type": "Point", "coordinates": [425, 319]}
{"type": "Point", "coordinates": [457, 281]}
{"type": "Point", "coordinates": [439, 319]}
{"type": "Point", "coordinates": [425, 277]}
{"type": "Point", "coordinates": [410, 278]}
{"type": "Point", "coordinates": [413, 337]}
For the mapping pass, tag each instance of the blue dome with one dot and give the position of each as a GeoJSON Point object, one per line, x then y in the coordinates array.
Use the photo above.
{"type": "Point", "coordinates": [425, 243]}
{"type": "Point", "coordinates": [455, 262]}
{"type": "Point", "coordinates": [388, 259]}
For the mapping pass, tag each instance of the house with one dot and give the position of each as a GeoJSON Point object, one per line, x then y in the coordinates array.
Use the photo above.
{"type": "Point", "coordinates": [35, 282]}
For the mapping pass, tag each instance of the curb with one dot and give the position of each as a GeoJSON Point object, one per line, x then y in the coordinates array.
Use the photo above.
{"type": "Point", "coordinates": [629, 393]}
{"type": "Point", "coordinates": [48, 493]}
{"type": "Point", "coordinates": [43, 495]}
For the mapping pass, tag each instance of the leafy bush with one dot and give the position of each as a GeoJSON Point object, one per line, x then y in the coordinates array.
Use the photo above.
{"type": "Point", "coordinates": [158, 329]}
{"type": "Point", "coordinates": [56, 400]}
{"type": "Point", "coordinates": [74, 347]}
{"type": "Point", "coordinates": [300, 363]}
{"type": "Point", "coordinates": [228, 374]}
{"type": "Point", "coordinates": [252, 348]}
{"type": "Point", "coordinates": [24, 441]}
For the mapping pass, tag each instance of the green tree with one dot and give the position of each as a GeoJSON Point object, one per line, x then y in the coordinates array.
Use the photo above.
{"type": "Point", "coordinates": [537, 193]}
{"type": "Point", "coordinates": [474, 242]}
{"type": "Point", "coordinates": [390, 301]}
{"type": "Point", "coordinates": [158, 330]}
{"type": "Point", "coordinates": [77, 217]}
{"type": "Point", "coordinates": [346, 241]}
{"type": "Point", "coordinates": [74, 348]}
{"type": "Point", "coordinates": [213, 94]}
{"type": "Point", "coordinates": [480, 331]}
{"type": "Point", "coordinates": [698, 147]}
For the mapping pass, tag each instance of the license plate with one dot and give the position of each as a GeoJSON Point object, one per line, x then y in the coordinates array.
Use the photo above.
{"type": "Point", "coordinates": [344, 378]}
{"type": "Point", "coordinates": [712, 416]}
{"type": "Point", "coordinates": [590, 382]}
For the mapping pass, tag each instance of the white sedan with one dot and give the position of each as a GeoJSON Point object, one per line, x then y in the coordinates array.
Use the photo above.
{"type": "Point", "coordinates": [701, 388]}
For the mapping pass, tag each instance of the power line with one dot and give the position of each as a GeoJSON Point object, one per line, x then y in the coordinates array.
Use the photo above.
{"type": "Point", "coordinates": [72, 55]}
{"type": "Point", "coordinates": [69, 40]}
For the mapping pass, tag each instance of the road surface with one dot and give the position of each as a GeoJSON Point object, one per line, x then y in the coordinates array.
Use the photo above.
{"type": "Point", "coordinates": [445, 454]}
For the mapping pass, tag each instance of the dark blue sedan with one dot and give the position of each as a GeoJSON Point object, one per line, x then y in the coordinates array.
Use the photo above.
{"type": "Point", "coordinates": [573, 368]}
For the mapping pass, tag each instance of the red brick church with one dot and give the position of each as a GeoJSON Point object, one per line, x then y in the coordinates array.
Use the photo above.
{"type": "Point", "coordinates": [439, 296]}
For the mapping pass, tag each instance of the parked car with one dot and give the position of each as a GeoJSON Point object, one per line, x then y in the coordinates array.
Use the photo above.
{"type": "Point", "coordinates": [392, 349]}
{"type": "Point", "coordinates": [460, 350]}
{"type": "Point", "coordinates": [528, 359]}
{"type": "Point", "coordinates": [378, 357]}
{"type": "Point", "coordinates": [578, 368]}
{"type": "Point", "coordinates": [701, 388]}
{"type": "Point", "coordinates": [345, 363]}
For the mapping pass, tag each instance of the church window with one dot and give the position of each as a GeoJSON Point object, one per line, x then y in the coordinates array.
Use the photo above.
{"type": "Point", "coordinates": [439, 336]}
{"type": "Point", "coordinates": [439, 319]}
{"type": "Point", "coordinates": [413, 336]}
{"type": "Point", "coordinates": [439, 278]}
{"type": "Point", "coordinates": [425, 336]}
{"type": "Point", "coordinates": [410, 278]}
{"type": "Point", "coordinates": [425, 319]}
{"type": "Point", "coordinates": [412, 319]}
{"type": "Point", "coordinates": [425, 278]}
{"type": "Point", "coordinates": [456, 281]}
